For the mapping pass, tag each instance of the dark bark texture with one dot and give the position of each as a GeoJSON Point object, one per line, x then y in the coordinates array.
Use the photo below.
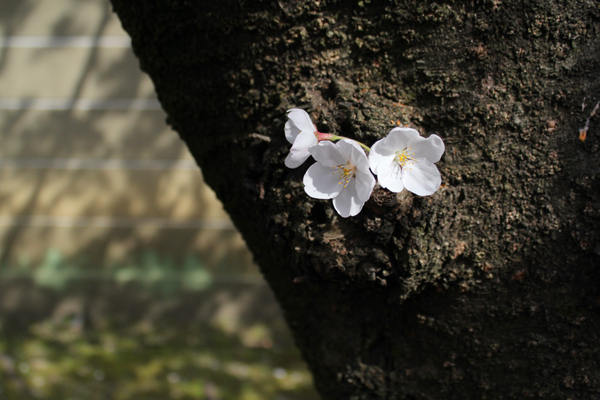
{"type": "Point", "coordinates": [490, 288]}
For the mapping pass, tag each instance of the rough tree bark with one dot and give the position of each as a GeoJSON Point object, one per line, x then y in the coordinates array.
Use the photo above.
{"type": "Point", "coordinates": [490, 288]}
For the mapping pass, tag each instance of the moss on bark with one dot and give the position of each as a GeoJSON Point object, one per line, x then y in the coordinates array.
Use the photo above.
{"type": "Point", "coordinates": [487, 289]}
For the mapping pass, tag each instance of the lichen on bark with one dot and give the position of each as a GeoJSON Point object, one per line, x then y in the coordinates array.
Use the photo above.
{"type": "Point", "coordinates": [488, 288]}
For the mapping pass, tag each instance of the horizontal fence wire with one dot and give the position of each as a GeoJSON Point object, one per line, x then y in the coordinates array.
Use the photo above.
{"type": "Point", "coordinates": [97, 164]}
{"type": "Point", "coordinates": [78, 104]}
{"type": "Point", "coordinates": [65, 41]}
{"type": "Point", "coordinates": [115, 222]}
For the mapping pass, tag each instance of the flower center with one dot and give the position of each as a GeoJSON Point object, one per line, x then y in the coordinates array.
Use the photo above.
{"type": "Point", "coordinates": [346, 172]}
{"type": "Point", "coordinates": [403, 157]}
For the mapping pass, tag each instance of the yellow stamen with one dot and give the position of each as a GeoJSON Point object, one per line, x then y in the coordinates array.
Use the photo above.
{"type": "Point", "coordinates": [346, 172]}
{"type": "Point", "coordinates": [404, 157]}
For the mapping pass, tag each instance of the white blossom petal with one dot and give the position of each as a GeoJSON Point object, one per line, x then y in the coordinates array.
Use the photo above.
{"type": "Point", "coordinates": [320, 182]}
{"type": "Point", "coordinates": [299, 121]}
{"type": "Point", "coordinates": [347, 203]}
{"type": "Point", "coordinates": [300, 149]}
{"type": "Point", "coordinates": [328, 154]}
{"type": "Point", "coordinates": [430, 148]}
{"type": "Point", "coordinates": [398, 138]}
{"type": "Point", "coordinates": [291, 131]}
{"type": "Point", "coordinates": [351, 151]}
{"type": "Point", "coordinates": [365, 182]}
{"type": "Point", "coordinates": [296, 158]}
{"type": "Point", "coordinates": [380, 153]}
{"type": "Point", "coordinates": [305, 140]}
{"type": "Point", "coordinates": [389, 175]}
{"type": "Point", "coordinates": [422, 177]}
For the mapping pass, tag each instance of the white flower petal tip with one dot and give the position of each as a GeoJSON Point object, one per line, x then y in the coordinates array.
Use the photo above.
{"type": "Point", "coordinates": [302, 134]}
{"type": "Point", "coordinates": [341, 173]}
{"type": "Point", "coordinates": [404, 159]}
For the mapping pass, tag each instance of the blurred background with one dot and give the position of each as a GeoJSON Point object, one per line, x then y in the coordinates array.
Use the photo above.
{"type": "Point", "coordinates": [120, 274]}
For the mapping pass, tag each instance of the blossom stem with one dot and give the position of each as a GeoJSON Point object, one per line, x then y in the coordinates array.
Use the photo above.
{"type": "Point", "coordinates": [364, 146]}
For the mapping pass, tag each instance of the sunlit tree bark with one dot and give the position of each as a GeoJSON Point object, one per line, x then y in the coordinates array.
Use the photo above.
{"type": "Point", "coordinates": [490, 288]}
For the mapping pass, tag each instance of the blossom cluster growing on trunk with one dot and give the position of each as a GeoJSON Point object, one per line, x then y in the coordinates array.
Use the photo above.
{"type": "Point", "coordinates": [342, 172]}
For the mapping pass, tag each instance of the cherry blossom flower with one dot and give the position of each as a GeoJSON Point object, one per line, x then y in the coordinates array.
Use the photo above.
{"type": "Point", "coordinates": [406, 160]}
{"type": "Point", "coordinates": [302, 134]}
{"type": "Point", "coordinates": [341, 173]}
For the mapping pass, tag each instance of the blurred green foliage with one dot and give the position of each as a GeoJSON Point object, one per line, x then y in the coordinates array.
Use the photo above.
{"type": "Point", "coordinates": [65, 356]}
{"type": "Point", "coordinates": [143, 361]}
{"type": "Point", "coordinates": [151, 272]}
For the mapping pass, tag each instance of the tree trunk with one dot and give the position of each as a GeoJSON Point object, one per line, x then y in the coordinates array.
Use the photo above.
{"type": "Point", "coordinates": [490, 288]}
